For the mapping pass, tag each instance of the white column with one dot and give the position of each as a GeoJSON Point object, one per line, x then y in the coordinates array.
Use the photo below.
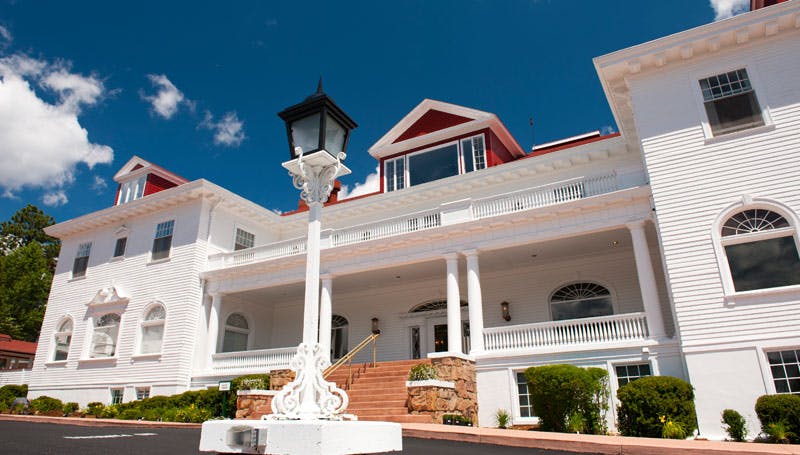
{"type": "Point", "coordinates": [453, 305]}
{"type": "Point", "coordinates": [213, 327]}
{"type": "Point", "coordinates": [475, 300]}
{"type": "Point", "coordinates": [325, 313]}
{"type": "Point", "coordinates": [647, 279]}
{"type": "Point", "coordinates": [311, 307]}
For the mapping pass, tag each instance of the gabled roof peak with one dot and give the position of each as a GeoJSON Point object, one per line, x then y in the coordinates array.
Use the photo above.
{"type": "Point", "coordinates": [136, 163]}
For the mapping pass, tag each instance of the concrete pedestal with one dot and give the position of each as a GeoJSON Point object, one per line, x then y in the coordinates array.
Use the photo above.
{"type": "Point", "coordinates": [300, 437]}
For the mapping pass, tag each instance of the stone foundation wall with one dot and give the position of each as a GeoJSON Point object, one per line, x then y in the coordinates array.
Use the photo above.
{"type": "Point", "coordinates": [438, 401]}
{"type": "Point", "coordinates": [279, 378]}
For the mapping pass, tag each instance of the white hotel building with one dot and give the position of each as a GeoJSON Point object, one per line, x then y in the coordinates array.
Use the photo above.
{"type": "Point", "coordinates": [670, 248]}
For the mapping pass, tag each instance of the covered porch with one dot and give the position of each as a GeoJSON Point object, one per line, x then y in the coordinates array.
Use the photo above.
{"type": "Point", "coordinates": [577, 293]}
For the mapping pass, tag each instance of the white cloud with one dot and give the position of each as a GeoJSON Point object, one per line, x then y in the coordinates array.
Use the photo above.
{"type": "Point", "coordinates": [371, 184]}
{"type": "Point", "coordinates": [724, 9]}
{"type": "Point", "coordinates": [55, 198]}
{"type": "Point", "coordinates": [165, 102]}
{"type": "Point", "coordinates": [99, 184]}
{"type": "Point", "coordinates": [41, 142]}
{"type": "Point", "coordinates": [229, 131]}
{"type": "Point", "coordinates": [5, 34]}
{"type": "Point", "coordinates": [606, 130]}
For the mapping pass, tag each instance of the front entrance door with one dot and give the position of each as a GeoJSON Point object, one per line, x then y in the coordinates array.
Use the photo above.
{"type": "Point", "coordinates": [437, 333]}
{"type": "Point", "coordinates": [440, 338]}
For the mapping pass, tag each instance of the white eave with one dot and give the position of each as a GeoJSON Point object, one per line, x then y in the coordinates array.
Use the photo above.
{"type": "Point", "coordinates": [614, 68]}
{"type": "Point", "coordinates": [386, 145]}
{"type": "Point", "coordinates": [162, 200]}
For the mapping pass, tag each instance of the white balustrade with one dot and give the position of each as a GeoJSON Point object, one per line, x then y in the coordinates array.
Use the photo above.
{"type": "Point", "coordinates": [259, 253]}
{"type": "Point", "coordinates": [541, 196]}
{"type": "Point", "coordinates": [255, 361]}
{"type": "Point", "coordinates": [15, 377]}
{"type": "Point", "coordinates": [387, 228]}
{"type": "Point", "coordinates": [602, 329]}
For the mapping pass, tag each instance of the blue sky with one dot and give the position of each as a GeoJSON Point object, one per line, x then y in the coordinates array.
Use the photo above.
{"type": "Point", "coordinates": [195, 86]}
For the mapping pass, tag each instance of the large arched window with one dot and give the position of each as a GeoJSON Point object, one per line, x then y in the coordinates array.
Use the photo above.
{"type": "Point", "coordinates": [339, 326]}
{"type": "Point", "coordinates": [104, 337]}
{"type": "Point", "coordinates": [62, 339]}
{"type": "Point", "coordinates": [761, 250]}
{"type": "Point", "coordinates": [581, 300]}
{"type": "Point", "coordinates": [237, 332]}
{"type": "Point", "coordinates": [153, 329]}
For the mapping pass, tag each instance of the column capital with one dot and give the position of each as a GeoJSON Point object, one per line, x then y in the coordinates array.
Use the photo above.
{"type": "Point", "coordinates": [327, 276]}
{"type": "Point", "coordinates": [472, 252]}
{"type": "Point", "coordinates": [215, 294]}
{"type": "Point", "coordinates": [450, 256]}
{"type": "Point", "coordinates": [636, 224]}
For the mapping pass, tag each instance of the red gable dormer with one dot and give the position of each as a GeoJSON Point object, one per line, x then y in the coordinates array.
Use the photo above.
{"type": "Point", "coordinates": [139, 178]}
{"type": "Point", "coordinates": [439, 140]}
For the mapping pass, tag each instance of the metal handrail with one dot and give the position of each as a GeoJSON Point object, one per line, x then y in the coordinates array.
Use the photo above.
{"type": "Point", "coordinates": [348, 358]}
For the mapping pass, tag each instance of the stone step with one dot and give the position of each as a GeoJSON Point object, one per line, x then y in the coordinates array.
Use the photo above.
{"type": "Point", "coordinates": [382, 404]}
{"type": "Point", "coordinates": [378, 412]}
{"type": "Point", "coordinates": [408, 418]}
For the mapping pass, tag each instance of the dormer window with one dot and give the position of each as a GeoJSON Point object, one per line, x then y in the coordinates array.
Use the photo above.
{"type": "Point", "coordinates": [131, 190]}
{"type": "Point", "coordinates": [441, 161]}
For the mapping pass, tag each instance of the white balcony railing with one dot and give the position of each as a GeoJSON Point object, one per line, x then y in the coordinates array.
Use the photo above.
{"type": "Point", "coordinates": [603, 329]}
{"type": "Point", "coordinates": [530, 198]}
{"type": "Point", "coordinates": [387, 228]}
{"type": "Point", "coordinates": [555, 193]}
{"type": "Point", "coordinates": [16, 377]}
{"type": "Point", "coordinates": [259, 253]}
{"type": "Point", "coordinates": [260, 360]}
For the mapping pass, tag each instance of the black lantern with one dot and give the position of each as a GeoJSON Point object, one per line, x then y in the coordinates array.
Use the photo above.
{"type": "Point", "coordinates": [375, 327]}
{"type": "Point", "coordinates": [504, 309]}
{"type": "Point", "coordinates": [317, 124]}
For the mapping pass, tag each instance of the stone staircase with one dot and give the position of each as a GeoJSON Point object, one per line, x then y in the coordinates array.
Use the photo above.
{"type": "Point", "coordinates": [379, 393]}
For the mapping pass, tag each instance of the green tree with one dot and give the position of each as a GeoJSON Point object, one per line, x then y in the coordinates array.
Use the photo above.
{"type": "Point", "coordinates": [25, 227]}
{"type": "Point", "coordinates": [25, 279]}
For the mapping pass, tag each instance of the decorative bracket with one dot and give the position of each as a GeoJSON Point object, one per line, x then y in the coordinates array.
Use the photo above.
{"type": "Point", "coordinates": [315, 181]}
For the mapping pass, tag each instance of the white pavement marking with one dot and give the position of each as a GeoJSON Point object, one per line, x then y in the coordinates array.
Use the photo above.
{"type": "Point", "coordinates": [110, 436]}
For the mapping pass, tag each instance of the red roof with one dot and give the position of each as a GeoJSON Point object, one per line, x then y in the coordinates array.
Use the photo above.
{"type": "Point", "coordinates": [18, 346]}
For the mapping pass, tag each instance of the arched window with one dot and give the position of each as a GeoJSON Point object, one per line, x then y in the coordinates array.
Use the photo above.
{"type": "Point", "coordinates": [62, 339]}
{"type": "Point", "coordinates": [581, 300]}
{"type": "Point", "coordinates": [339, 326]}
{"type": "Point", "coordinates": [761, 250]}
{"type": "Point", "coordinates": [104, 338]}
{"type": "Point", "coordinates": [153, 329]}
{"type": "Point", "coordinates": [433, 305]}
{"type": "Point", "coordinates": [237, 331]}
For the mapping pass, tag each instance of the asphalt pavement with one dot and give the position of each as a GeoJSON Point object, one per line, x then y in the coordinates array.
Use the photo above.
{"type": "Point", "coordinates": [28, 438]}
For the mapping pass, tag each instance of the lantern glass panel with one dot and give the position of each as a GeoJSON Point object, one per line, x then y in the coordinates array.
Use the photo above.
{"type": "Point", "coordinates": [335, 134]}
{"type": "Point", "coordinates": [305, 133]}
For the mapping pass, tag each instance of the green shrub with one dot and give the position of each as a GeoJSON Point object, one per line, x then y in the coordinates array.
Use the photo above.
{"type": "Point", "coordinates": [673, 430]}
{"type": "Point", "coordinates": [9, 392]}
{"type": "Point", "coordinates": [422, 372]}
{"type": "Point", "coordinates": [70, 407]}
{"type": "Point", "coordinates": [566, 396]}
{"type": "Point", "coordinates": [192, 414]}
{"type": "Point", "coordinates": [95, 408]}
{"type": "Point", "coordinates": [45, 404]}
{"type": "Point", "coordinates": [645, 401]}
{"type": "Point", "coordinates": [503, 418]}
{"type": "Point", "coordinates": [250, 382]}
{"type": "Point", "coordinates": [778, 432]}
{"type": "Point", "coordinates": [735, 425]}
{"type": "Point", "coordinates": [110, 412]}
{"type": "Point", "coordinates": [784, 409]}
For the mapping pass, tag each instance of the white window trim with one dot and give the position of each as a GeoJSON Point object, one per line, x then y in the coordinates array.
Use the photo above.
{"type": "Point", "coordinates": [763, 361]}
{"type": "Point", "coordinates": [171, 243]}
{"type": "Point", "coordinates": [730, 295]}
{"type": "Point", "coordinates": [251, 331]}
{"type": "Point", "coordinates": [236, 228]}
{"type": "Point", "coordinates": [143, 323]}
{"type": "Point", "coordinates": [516, 418]}
{"type": "Point", "coordinates": [611, 293]}
{"type": "Point", "coordinates": [88, 258]}
{"type": "Point", "coordinates": [52, 351]}
{"type": "Point", "coordinates": [758, 88]}
{"type": "Point", "coordinates": [88, 343]}
{"type": "Point", "coordinates": [142, 387]}
{"type": "Point", "coordinates": [111, 394]}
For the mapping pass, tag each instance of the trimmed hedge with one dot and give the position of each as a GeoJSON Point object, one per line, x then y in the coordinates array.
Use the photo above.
{"type": "Point", "coordinates": [45, 404]}
{"type": "Point", "coordinates": [569, 398]}
{"type": "Point", "coordinates": [644, 401]}
{"type": "Point", "coordinates": [774, 409]}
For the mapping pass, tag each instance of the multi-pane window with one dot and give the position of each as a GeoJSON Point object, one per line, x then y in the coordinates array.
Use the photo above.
{"type": "Point", "coordinates": [153, 330]}
{"type": "Point", "coordinates": [581, 300]}
{"type": "Point", "coordinates": [785, 369]}
{"type": "Point", "coordinates": [628, 373]}
{"type": "Point", "coordinates": [131, 190]}
{"type": "Point", "coordinates": [163, 240]}
{"type": "Point", "coordinates": [339, 326]}
{"type": "Point", "coordinates": [142, 393]}
{"type": "Point", "coordinates": [525, 405]}
{"type": "Point", "coordinates": [440, 162]}
{"type": "Point", "coordinates": [761, 250]}
{"type": "Point", "coordinates": [119, 247]}
{"type": "Point", "coordinates": [104, 337]}
{"type": "Point", "coordinates": [81, 260]}
{"type": "Point", "coordinates": [62, 339]}
{"type": "Point", "coordinates": [730, 102]}
{"type": "Point", "coordinates": [116, 396]}
{"type": "Point", "coordinates": [237, 331]}
{"type": "Point", "coordinates": [243, 240]}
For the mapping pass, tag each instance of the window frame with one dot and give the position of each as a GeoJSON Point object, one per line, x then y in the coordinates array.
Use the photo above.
{"type": "Point", "coordinates": [114, 255]}
{"type": "Point", "coordinates": [156, 238]}
{"type": "Point", "coordinates": [144, 323]}
{"type": "Point", "coordinates": [250, 331]}
{"type": "Point", "coordinates": [611, 296]}
{"type": "Point", "coordinates": [85, 266]}
{"type": "Point", "coordinates": [758, 89]}
{"type": "Point", "coordinates": [113, 398]}
{"type": "Point", "coordinates": [91, 340]}
{"type": "Point", "coordinates": [614, 367]}
{"type": "Point", "coordinates": [60, 332]}
{"type": "Point", "coordinates": [730, 295]}
{"type": "Point", "coordinates": [132, 189]}
{"type": "Point", "coordinates": [244, 230]}
{"type": "Point", "coordinates": [460, 162]}
{"type": "Point", "coordinates": [146, 388]}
